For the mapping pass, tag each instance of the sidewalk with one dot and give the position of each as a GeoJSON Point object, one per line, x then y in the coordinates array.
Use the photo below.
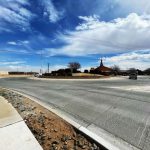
{"type": "Point", "coordinates": [14, 134]}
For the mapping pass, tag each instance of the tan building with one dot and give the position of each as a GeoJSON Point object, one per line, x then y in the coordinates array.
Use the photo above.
{"type": "Point", "coordinates": [3, 72]}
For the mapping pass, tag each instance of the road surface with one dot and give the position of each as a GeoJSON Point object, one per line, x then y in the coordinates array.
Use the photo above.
{"type": "Point", "coordinates": [119, 106]}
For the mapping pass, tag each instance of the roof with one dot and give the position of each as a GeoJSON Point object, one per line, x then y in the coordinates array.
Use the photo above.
{"type": "Point", "coordinates": [103, 69]}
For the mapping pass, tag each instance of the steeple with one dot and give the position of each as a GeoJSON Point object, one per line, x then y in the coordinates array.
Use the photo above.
{"type": "Point", "coordinates": [101, 64]}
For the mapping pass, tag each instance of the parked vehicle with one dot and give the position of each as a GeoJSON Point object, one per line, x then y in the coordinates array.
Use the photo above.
{"type": "Point", "coordinates": [38, 75]}
{"type": "Point", "coordinates": [133, 76]}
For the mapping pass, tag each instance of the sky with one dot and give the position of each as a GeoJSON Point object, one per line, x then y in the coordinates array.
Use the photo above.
{"type": "Point", "coordinates": [34, 33]}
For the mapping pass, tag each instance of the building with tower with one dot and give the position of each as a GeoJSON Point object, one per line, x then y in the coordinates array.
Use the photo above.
{"type": "Point", "coordinates": [102, 69]}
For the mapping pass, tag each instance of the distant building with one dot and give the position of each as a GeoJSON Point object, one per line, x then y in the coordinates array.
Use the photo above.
{"type": "Point", "coordinates": [102, 69]}
{"type": "Point", "coordinates": [3, 72]}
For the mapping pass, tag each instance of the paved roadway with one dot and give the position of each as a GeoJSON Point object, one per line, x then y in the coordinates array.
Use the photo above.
{"type": "Point", "coordinates": [109, 104]}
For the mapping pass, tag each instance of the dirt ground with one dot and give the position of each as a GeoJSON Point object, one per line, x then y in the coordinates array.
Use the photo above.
{"type": "Point", "coordinates": [52, 132]}
{"type": "Point", "coordinates": [71, 77]}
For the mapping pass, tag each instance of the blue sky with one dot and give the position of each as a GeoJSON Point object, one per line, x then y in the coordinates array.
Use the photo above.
{"type": "Point", "coordinates": [36, 32]}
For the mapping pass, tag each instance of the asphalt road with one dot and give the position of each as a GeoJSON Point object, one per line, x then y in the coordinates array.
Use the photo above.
{"type": "Point", "coordinates": [109, 104]}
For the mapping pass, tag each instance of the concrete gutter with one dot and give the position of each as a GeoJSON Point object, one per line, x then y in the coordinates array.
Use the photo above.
{"type": "Point", "coordinates": [103, 137]}
{"type": "Point", "coordinates": [94, 79]}
{"type": "Point", "coordinates": [14, 133]}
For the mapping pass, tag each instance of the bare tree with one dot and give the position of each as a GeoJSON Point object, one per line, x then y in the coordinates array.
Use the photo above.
{"type": "Point", "coordinates": [74, 66]}
{"type": "Point", "coordinates": [116, 69]}
{"type": "Point", "coordinates": [132, 70]}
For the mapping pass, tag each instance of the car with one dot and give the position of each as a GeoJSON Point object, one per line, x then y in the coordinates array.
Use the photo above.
{"type": "Point", "coordinates": [133, 76]}
{"type": "Point", "coordinates": [38, 75]}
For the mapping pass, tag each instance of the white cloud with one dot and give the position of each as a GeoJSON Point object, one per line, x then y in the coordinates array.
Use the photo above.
{"type": "Point", "coordinates": [89, 22]}
{"type": "Point", "coordinates": [98, 37]}
{"type": "Point", "coordinates": [13, 11]}
{"type": "Point", "coordinates": [22, 2]}
{"type": "Point", "coordinates": [55, 67]}
{"type": "Point", "coordinates": [135, 59]}
{"type": "Point", "coordinates": [4, 29]}
{"type": "Point", "coordinates": [49, 10]}
{"type": "Point", "coordinates": [25, 42]}
{"type": "Point", "coordinates": [11, 62]}
{"type": "Point", "coordinates": [16, 51]}
{"type": "Point", "coordinates": [25, 13]}
{"type": "Point", "coordinates": [9, 2]}
{"type": "Point", "coordinates": [18, 42]}
{"type": "Point", "coordinates": [12, 43]}
{"type": "Point", "coordinates": [13, 68]}
{"type": "Point", "coordinates": [24, 67]}
{"type": "Point", "coordinates": [139, 6]}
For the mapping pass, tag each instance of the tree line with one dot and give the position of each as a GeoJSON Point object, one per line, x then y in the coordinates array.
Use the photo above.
{"type": "Point", "coordinates": [116, 69]}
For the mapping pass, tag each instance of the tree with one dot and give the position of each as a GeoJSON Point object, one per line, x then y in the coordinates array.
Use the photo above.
{"type": "Point", "coordinates": [74, 66]}
{"type": "Point", "coordinates": [116, 70]}
{"type": "Point", "coordinates": [140, 72]}
{"type": "Point", "coordinates": [147, 71]}
{"type": "Point", "coordinates": [132, 70]}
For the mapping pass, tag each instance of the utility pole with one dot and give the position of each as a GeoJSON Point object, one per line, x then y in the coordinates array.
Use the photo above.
{"type": "Point", "coordinates": [48, 68]}
{"type": "Point", "coordinates": [41, 69]}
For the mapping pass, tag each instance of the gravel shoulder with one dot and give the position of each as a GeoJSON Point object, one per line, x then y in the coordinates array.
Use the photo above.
{"type": "Point", "coordinates": [52, 132]}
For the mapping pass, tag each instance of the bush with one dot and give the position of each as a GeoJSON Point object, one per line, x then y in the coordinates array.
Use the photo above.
{"type": "Point", "coordinates": [16, 73]}
{"type": "Point", "coordinates": [47, 74]}
{"type": "Point", "coordinates": [61, 72]}
{"type": "Point", "coordinates": [147, 71]}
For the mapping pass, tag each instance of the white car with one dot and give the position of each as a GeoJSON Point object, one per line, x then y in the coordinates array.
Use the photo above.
{"type": "Point", "coordinates": [39, 75]}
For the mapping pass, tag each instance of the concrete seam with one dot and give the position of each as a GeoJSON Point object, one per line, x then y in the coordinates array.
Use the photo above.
{"type": "Point", "coordinates": [12, 123]}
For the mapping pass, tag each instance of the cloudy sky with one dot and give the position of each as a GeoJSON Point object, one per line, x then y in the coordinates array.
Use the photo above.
{"type": "Point", "coordinates": [36, 32]}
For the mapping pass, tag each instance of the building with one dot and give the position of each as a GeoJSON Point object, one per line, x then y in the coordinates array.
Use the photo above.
{"type": "Point", "coordinates": [3, 72]}
{"type": "Point", "coordinates": [102, 69]}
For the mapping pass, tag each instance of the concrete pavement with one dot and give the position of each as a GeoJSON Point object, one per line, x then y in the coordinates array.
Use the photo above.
{"type": "Point", "coordinates": [102, 106]}
{"type": "Point", "coordinates": [14, 134]}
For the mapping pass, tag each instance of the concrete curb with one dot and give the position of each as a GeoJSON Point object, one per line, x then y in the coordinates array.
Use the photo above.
{"type": "Point", "coordinates": [101, 136]}
{"type": "Point", "coordinates": [14, 133]}
{"type": "Point", "coordinates": [93, 79]}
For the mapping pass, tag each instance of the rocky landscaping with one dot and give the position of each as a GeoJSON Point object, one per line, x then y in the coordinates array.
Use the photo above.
{"type": "Point", "coordinates": [52, 132]}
